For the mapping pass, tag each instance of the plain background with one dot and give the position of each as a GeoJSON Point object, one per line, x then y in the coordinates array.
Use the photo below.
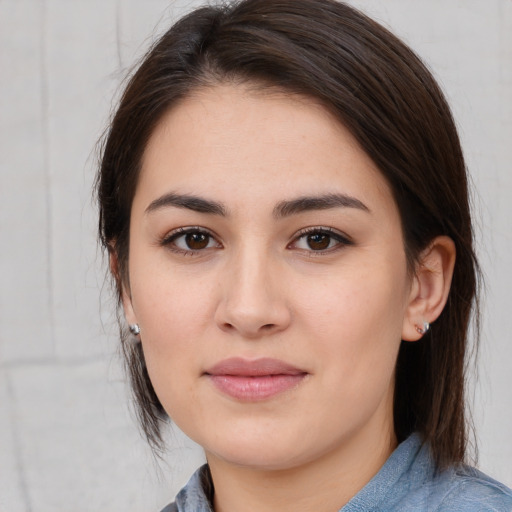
{"type": "Point", "coordinates": [68, 439]}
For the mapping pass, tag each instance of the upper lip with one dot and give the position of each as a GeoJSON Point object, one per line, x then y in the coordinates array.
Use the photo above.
{"type": "Point", "coordinates": [240, 367]}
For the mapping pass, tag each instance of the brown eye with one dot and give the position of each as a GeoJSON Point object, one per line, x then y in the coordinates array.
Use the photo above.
{"type": "Point", "coordinates": [321, 240]}
{"type": "Point", "coordinates": [318, 241]}
{"type": "Point", "coordinates": [197, 241]}
{"type": "Point", "coordinates": [190, 241]}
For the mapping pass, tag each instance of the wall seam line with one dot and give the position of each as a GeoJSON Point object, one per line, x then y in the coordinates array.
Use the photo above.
{"type": "Point", "coordinates": [18, 458]}
{"type": "Point", "coordinates": [45, 106]}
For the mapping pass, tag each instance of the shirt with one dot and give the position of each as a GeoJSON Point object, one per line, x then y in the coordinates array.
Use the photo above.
{"type": "Point", "coordinates": [407, 482]}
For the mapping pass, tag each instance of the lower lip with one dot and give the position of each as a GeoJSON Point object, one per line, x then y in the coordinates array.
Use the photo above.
{"type": "Point", "coordinates": [252, 389]}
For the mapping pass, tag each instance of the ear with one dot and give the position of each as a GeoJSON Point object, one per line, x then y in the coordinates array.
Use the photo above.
{"type": "Point", "coordinates": [430, 287]}
{"type": "Point", "coordinates": [123, 288]}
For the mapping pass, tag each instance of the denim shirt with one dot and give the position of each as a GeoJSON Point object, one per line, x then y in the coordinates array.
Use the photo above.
{"type": "Point", "coordinates": [408, 482]}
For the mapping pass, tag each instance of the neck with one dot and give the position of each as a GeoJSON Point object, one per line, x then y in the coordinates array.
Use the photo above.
{"type": "Point", "coordinates": [325, 484]}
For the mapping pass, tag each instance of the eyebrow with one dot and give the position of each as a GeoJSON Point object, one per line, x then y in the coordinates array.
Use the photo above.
{"type": "Point", "coordinates": [190, 202]}
{"type": "Point", "coordinates": [323, 202]}
{"type": "Point", "coordinates": [281, 210]}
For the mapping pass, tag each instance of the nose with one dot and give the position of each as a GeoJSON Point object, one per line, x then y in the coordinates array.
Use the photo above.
{"type": "Point", "coordinates": [253, 302]}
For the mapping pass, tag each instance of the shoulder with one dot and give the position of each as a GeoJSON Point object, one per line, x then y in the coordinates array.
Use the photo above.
{"type": "Point", "coordinates": [468, 489]}
{"type": "Point", "coordinates": [196, 496]}
{"type": "Point", "coordinates": [462, 489]}
{"type": "Point", "coordinates": [170, 508]}
{"type": "Point", "coordinates": [410, 481]}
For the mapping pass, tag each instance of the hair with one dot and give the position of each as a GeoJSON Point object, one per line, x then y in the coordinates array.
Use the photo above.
{"type": "Point", "coordinates": [387, 98]}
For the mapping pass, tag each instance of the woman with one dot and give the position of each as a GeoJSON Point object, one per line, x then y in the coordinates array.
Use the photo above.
{"type": "Point", "coordinates": [284, 199]}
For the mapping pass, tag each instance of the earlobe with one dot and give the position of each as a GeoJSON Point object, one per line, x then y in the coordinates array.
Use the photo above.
{"type": "Point", "coordinates": [430, 287]}
{"type": "Point", "coordinates": [123, 289]}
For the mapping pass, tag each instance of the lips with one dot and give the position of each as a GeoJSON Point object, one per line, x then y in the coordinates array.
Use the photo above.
{"type": "Point", "coordinates": [256, 380]}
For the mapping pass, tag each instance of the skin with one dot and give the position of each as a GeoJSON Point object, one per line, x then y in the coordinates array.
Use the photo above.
{"type": "Point", "coordinates": [258, 287]}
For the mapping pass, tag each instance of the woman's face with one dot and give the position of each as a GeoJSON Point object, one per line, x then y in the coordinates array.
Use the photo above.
{"type": "Point", "coordinates": [268, 276]}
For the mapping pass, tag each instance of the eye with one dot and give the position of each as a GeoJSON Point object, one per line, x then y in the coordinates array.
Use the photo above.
{"type": "Point", "coordinates": [190, 240]}
{"type": "Point", "coordinates": [319, 239]}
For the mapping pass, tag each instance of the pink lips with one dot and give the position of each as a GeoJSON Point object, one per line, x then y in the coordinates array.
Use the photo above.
{"type": "Point", "coordinates": [254, 380]}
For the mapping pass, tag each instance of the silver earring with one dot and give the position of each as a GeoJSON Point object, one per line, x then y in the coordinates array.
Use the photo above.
{"type": "Point", "coordinates": [424, 330]}
{"type": "Point", "coordinates": [134, 329]}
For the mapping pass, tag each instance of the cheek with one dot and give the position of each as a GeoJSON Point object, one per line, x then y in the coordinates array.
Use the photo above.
{"type": "Point", "coordinates": [355, 323]}
{"type": "Point", "coordinates": [169, 300]}
{"type": "Point", "coordinates": [174, 311]}
{"type": "Point", "coordinates": [171, 350]}
{"type": "Point", "coordinates": [356, 301]}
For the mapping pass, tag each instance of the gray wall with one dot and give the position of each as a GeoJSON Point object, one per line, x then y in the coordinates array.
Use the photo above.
{"type": "Point", "coordinates": [68, 440]}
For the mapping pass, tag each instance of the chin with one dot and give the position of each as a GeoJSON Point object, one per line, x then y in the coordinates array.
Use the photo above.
{"type": "Point", "coordinates": [258, 458]}
{"type": "Point", "coordinates": [263, 451]}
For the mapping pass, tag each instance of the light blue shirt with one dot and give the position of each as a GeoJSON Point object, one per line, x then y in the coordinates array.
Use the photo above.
{"type": "Point", "coordinates": [408, 482]}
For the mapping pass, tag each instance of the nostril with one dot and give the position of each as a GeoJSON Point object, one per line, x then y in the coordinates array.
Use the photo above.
{"type": "Point", "coordinates": [267, 327]}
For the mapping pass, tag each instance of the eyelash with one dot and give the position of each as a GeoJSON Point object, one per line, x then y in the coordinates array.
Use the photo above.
{"type": "Point", "coordinates": [341, 240]}
{"type": "Point", "coordinates": [170, 239]}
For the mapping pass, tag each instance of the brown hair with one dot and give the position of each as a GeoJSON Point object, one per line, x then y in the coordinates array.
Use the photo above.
{"type": "Point", "coordinates": [381, 91]}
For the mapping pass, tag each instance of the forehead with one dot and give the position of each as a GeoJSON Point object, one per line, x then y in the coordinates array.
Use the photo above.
{"type": "Point", "coordinates": [239, 143]}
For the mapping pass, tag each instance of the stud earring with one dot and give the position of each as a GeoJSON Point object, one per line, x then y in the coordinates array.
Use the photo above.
{"type": "Point", "coordinates": [424, 330]}
{"type": "Point", "coordinates": [134, 329]}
